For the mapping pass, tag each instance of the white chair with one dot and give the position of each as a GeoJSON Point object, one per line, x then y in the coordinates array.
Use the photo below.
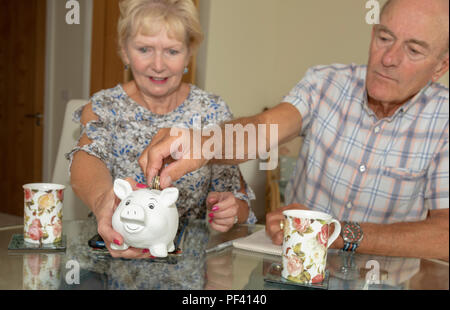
{"type": "Point", "coordinates": [73, 207]}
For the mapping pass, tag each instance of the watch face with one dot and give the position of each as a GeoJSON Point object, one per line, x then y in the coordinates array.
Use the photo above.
{"type": "Point", "coordinates": [352, 233]}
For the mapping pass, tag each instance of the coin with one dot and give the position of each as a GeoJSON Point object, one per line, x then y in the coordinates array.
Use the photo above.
{"type": "Point", "coordinates": [155, 183]}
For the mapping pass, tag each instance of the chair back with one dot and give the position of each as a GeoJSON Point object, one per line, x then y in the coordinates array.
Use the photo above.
{"type": "Point", "coordinates": [277, 179]}
{"type": "Point", "coordinates": [73, 207]}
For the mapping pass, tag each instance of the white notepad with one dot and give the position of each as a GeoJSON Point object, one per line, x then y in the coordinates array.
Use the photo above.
{"type": "Point", "coordinates": [258, 242]}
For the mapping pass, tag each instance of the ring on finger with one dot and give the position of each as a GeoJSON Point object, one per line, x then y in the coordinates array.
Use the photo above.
{"type": "Point", "coordinates": [282, 225]}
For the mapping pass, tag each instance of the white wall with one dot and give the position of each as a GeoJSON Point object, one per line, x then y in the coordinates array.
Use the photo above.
{"type": "Point", "coordinates": [257, 50]}
{"type": "Point", "coordinates": [67, 71]}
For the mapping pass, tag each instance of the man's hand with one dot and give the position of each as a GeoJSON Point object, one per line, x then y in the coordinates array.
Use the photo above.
{"type": "Point", "coordinates": [273, 219]}
{"type": "Point", "coordinates": [171, 156]}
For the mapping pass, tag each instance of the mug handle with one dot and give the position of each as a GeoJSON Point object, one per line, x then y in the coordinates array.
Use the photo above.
{"type": "Point", "coordinates": [336, 232]}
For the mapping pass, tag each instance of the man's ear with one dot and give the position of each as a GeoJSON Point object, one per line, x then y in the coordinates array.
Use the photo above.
{"type": "Point", "coordinates": [441, 68]}
{"type": "Point", "coordinates": [122, 188]}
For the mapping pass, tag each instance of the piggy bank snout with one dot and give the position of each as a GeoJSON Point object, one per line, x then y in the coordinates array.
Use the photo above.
{"type": "Point", "coordinates": [133, 218]}
{"type": "Point", "coordinates": [133, 213]}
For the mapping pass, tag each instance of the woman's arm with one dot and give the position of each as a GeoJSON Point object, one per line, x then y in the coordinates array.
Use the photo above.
{"type": "Point", "coordinates": [90, 178]}
{"type": "Point", "coordinates": [92, 182]}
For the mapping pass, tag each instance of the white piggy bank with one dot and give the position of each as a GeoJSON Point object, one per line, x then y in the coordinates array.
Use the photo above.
{"type": "Point", "coordinates": [146, 218]}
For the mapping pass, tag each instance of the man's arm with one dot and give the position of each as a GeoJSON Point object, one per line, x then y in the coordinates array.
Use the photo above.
{"type": "Point", "coordinates": [424, 239]}
{"type": "Point", "coordinates": [158, 153]}
{"type": "Point", "coordinates": [285, 116]}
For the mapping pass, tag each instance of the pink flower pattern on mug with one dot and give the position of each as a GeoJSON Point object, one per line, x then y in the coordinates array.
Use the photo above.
{"type": "Point", "coordinates": [305, 261]}
{"type": "Point", "coordinates": [28, 194]}
{"type": "Point", "coordinates": [318, 278]}
{"type": "Point", "coordinates": [43, 216]}
{"type": "Point", "coordinates": [295, 265]}
{"type": "Point", "coordinates": [302, 225]}
{"type": "Point", "coordinates": [35, 230]}
{"type": "Point", "coordinates": [322, 236]}
{"type": "Point", "coordinates": [57, 228]}
{"type": "Point", "coordinates": [60, 194]}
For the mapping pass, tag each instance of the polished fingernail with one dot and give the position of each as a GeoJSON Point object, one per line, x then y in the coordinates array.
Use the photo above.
{"type": "Point", "coordinates": [116, 241]}
{"type": "Point", "coordinates": [145, 251]}
{"type": "Point", "coordinates": [140, 185]}
{"type": "Point", "coordinates": [210, 221]}
{"type": "Point", "coordinates": [211, 215]}
{"type": "Point", "coordinates": [215, 208]}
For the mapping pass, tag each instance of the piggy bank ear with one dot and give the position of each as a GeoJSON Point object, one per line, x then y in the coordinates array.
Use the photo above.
{"type": "Point", "coordinates": [122, 188]}
{"type": "Point", "coordinates": [169, 196]}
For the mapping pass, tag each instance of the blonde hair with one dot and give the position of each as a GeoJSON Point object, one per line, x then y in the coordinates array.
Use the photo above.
{"type": "Point", "coordinates": [179, 17]}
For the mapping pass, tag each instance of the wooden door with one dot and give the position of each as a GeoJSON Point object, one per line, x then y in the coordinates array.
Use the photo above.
{"type": "Point", "coordinates": [107, 69]}
{"type": "Point", "coordinates": [22, 63]}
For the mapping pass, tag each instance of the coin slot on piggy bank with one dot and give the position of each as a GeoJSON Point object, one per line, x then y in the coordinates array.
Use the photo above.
{"type": "Point", "coordinates": [146, 218]}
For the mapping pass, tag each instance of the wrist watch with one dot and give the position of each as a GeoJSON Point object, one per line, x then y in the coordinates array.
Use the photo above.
{"type": "Point", "coordinates": [352, 235]}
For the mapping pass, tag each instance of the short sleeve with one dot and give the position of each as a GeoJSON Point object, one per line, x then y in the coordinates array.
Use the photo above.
{"type": "Point", "coordinates": [217, 112]}
{"type": "Point", "coordinates": [304, 96]}
{"type": "Point", "coordinates": [98, 131]}
{"type": "Point", "coordinates": [437, 189]}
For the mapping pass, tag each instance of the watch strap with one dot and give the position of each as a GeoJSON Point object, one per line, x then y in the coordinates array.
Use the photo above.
{"type": "Point", "coordinates": [348, 246]}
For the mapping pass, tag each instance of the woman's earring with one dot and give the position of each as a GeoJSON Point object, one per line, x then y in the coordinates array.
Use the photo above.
{"type": "Point", "coordinates": [127, 67]}
{"type": "Point", "coordinates": [186, 70]}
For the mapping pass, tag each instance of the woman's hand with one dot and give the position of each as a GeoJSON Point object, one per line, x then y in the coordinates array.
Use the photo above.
{"type": "Point", "coordinates": [105, 206]}
{"type": "Point", "coordinates": [223, 210]}
{"type": "Point", "coordinates": [273, 219]}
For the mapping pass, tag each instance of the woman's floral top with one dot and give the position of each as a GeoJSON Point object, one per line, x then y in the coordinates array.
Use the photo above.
{"type": "Point", "coordinates": [124, 129]}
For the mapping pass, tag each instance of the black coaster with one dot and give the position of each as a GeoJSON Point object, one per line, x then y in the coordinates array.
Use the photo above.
{"type": "Point", "coordinates": [274, 276]}
{"type": "Point", "coordinates": [17, 245]}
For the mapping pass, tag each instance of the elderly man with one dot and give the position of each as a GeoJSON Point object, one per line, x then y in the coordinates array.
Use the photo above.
{"type": "Point", "coordinates": [376, 148]}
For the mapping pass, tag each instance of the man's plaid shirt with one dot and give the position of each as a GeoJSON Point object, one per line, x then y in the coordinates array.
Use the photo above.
{"type": "Point", "coordinates": [360, 168]}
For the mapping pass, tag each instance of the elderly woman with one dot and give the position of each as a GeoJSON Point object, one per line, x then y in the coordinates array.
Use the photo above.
{"type": "Point", "coordinates": [156, 41]}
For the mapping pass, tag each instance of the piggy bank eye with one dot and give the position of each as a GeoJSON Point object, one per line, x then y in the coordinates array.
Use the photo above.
{"type": "Point", "coordinates": [151, 206]}
{"type": "Point", "coordinates": [127, 203]}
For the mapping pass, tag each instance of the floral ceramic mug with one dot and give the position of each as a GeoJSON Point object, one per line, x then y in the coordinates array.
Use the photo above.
{"type": "Point", "coordinates": [43, 213]}
{"type": "Point", "coordinates": [305, 243]}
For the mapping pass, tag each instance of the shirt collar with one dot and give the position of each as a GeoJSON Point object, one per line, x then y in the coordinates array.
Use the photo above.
{"type": "Point", "coordinates": [419, 98]}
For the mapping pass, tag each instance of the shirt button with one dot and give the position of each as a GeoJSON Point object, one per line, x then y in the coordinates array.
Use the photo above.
{"type": "Point", "coordinates": [362, 168]}
{"type": "Point", "coordinates": [377, 129]}
{"type": "Point", "coordinates": [349, 205]}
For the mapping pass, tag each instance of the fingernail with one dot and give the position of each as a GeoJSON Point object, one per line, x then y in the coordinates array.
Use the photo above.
{"type": "Point", "coordinates": [145, 251]}
{"type": "Point", "coordinates": [140, 185]}
{"type": "Point", "coordinates": [210, 220]}
{"type": "Point", "coordinates": [166, 182]}
{"type": "Point", "coordinates": [116, 241]}
{"type": "Point", "coordinates": [211, 215]}
{"type": "Point", "coordinates": [215, 208]}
